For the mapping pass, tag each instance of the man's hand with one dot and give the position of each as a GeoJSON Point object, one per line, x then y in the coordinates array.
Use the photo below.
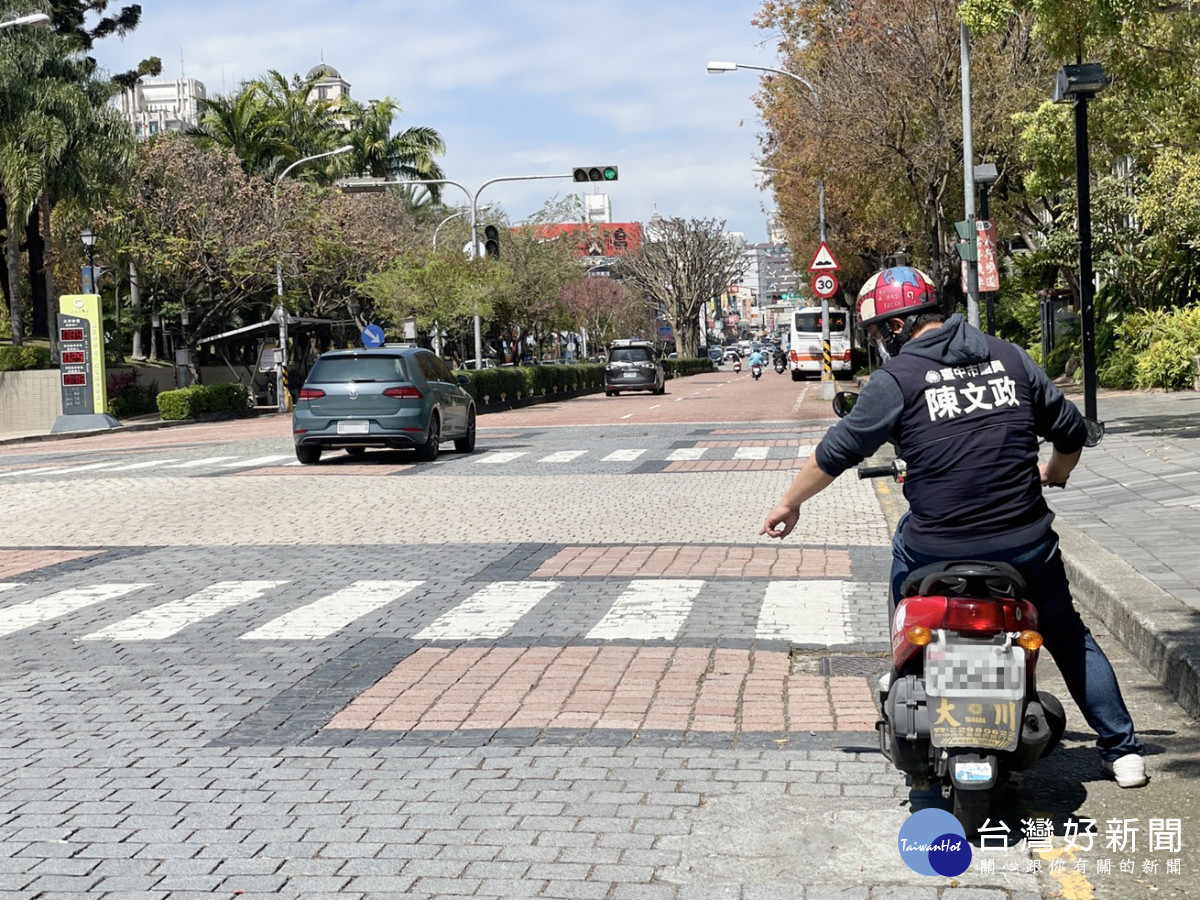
{"type": "Point", "coordinates": [780, 521]}
{"type": "Point", "coordinates": [1052, 474]}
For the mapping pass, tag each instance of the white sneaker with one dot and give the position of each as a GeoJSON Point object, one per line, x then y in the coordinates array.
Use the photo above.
{"type": "Point", "coordinates": [885, 682]}
{"type": "Point", "coordinates": [1129, 770]}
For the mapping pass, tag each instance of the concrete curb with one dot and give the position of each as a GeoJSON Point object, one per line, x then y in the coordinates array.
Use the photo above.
{"type": "Point", "coordinates": [120, 429]}
{"type": "Point", "coordinates": [1161, 631]}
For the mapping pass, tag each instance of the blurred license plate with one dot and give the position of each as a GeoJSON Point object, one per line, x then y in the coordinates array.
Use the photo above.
{"type": "Point", "coordinates": [362, 427]}
{"type": "Point", "coordinates": [987, 671]}
{"type": "Point", "coordinates": [629, 375]}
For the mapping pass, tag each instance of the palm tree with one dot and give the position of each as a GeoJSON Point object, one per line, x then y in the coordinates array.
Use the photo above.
{"type": "Point", "coordinates": [381, 154]}
{"type": "Point", "coordinates": [243, 123]}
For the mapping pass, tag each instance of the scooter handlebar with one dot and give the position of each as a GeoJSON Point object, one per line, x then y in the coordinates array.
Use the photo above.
{"type": "Point", "coordinates": [876, 471]}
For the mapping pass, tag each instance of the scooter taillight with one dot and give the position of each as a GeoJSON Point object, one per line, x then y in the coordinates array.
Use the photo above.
{"type": "Point", "coordinates": [986, 616]}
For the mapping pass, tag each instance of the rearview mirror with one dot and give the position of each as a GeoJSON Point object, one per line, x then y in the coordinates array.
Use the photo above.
{"type": "Point", "coordinates": [463, 379]}
{"type": "Point", "coordinates": [843, 402]}
{"type": "Point", "coordinates": [1095, 432]}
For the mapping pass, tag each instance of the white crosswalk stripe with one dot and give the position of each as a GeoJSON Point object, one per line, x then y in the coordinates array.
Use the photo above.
{"type": "Point", "coordinates": [816, 612]}
{"type": "Point", "coordinates": [648, 610]}
{"type": "Point", "coordinates": [331, 614]}
{"type": "Point", "coordinates": [488, 613]}
{"type": "Point", "coordinates": [682, 454]}
{"type": "Point", "coordinates": [147, 464]}
{"type": "Point", "coordinates": [255, 461]}
{"type": "Point", "coordinates": [805, 612]}
{"type": "Point", "coordinates": [628, 455]}
{"type": "Point", "coordinates": [171, 618]}
{"type": "Point", "coordinates": [35, 612]}
{"type": "Point", "coordinates": [502, 456]}
{"type": "Point", "coordinates": [197, 463]}
{"type": "Point", "coordinates": [751, 452]}
{"type": "Point", "coordinates": [562, 456]}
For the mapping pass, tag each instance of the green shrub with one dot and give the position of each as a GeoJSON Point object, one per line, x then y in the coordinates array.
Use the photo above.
{"type": "Point", "coordinates": [16, 359]}
{"type": "Point", "coordinates": [126, 397]}
{"type": "Point", "coordinates": [688, 365]}
{"type": "Point", "coordinates": [517, 382]}
{"type": "Point", "coordinates": [1157, 349]}
{"type": "Point", "coordinates": [202, 399]}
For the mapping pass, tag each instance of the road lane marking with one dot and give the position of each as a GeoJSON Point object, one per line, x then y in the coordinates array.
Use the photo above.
{"type": "Point", "coordinates": [562, 456]}
{"type": "Point", "coordinates": [255, 461]}
{"type": "Point", "coordinates": [627, 416]}
{"type": "Point", "coordinates": [488, 613]}
{"type": "Point", "coordinates": [169, 619]}
{"type": "Point", "coordinates": [805, 451]}
{"type": "Point", "coordinates": [9, 585]}
{"type": "Point", "coordinates": [805, 612]}
{"type": "Point", "coordinates": [648, 610]}
{"type": "Point", "coordinates": [501, 457]}
{"type": "Point", "coordinates": [148, 464]}
{"type": "Point", "coordinates": [329, 615]}
{"type": "Point", "coordinates": [656, 406]}
{"type": "Point", "coordinates": [678, 399]}
{"type": "Point", "coordinates": [627, 455]}
{"type": "Point", "coordinates": [62, 470]}
{"type": "Point", "coordinates": [800, 400]}
{"type": "Point", "coordinates": [35, 612]}
{"type": "Point", "coordinates": [683, 453]}
{"type": "Point", "coordinates": [195, 463]}
{"type": "Point", "coordinates": [751, 452]}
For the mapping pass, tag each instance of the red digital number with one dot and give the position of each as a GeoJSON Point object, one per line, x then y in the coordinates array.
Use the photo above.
{"type": "Point", "coordinates": [74, 379]}
{"type": "Point", "coordinates": [74, 356]}
{"type": "Point", "coordinates": [71, 334]}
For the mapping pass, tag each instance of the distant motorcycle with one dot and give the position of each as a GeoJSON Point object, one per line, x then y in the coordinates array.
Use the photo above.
{"type": "Point", "coordinates": [756, 371]}
{"type": "Point", "coordinates": [780, 366]}
{"type": "Point", "coordinates": [737, 365]}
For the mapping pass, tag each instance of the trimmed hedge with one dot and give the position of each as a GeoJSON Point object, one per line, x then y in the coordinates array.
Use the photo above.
{"type": "Point", "coordinates": [18, 359]}
{"type": "Point", "coordinates": [687, 365]}
{"type": "Point", "coordinates": [202, 399]}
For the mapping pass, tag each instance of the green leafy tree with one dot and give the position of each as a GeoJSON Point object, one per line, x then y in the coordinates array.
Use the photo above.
{"type": "Point", "coordinates": [409, 154]}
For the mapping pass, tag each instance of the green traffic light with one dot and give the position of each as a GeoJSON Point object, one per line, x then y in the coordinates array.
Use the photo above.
{"type": "Point", "coordinates": [610, 173]}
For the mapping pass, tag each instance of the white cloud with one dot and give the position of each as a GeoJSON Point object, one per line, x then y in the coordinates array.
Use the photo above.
{"type": "Point", "coordinates": [515, 86]}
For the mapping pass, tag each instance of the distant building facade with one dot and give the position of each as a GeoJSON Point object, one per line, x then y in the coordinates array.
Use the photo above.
{"type": "Point", "coordinates": [153, 106]}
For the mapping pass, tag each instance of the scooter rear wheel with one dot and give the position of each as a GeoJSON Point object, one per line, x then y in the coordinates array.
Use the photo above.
{"type": "Point", "coordinates": [971, 808]}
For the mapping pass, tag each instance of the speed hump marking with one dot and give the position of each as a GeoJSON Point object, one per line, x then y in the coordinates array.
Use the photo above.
{"type": "Point", "coordinates": [825, 285]}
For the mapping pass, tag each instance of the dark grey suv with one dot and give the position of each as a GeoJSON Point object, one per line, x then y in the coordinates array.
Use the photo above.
{"type": "Point", "coordinates": [389, 397]}
{"type": "Point", "coordinates": [633, 366]}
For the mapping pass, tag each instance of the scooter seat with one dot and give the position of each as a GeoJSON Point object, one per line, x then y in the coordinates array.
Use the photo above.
{"type": "Point", "coordinates": [965, 578]}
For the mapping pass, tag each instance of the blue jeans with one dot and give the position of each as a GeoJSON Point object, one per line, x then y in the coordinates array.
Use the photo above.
{"type": "Point", "coordinates": [1088, 674]}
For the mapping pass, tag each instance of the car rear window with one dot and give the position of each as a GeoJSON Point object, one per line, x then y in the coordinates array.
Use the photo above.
{"type": "Point", "coordinates": [630, 354]}
{"type": "Point", "coordinates": [336, 369]}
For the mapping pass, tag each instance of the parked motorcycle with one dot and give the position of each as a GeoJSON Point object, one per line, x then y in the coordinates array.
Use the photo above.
{"type": "Point", "coordinates": [960, 706]}
{"type": "Point", "coordinates": [756, 371]}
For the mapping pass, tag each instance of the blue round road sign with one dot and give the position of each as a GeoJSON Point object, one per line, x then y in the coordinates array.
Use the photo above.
{"type": "Point", "coordinates": [372, 336]}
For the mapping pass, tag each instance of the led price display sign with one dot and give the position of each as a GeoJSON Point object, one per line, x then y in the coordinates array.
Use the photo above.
{"type": "Point", "coordinates": [70, 334]}
{"type": "Point", "coordinates": [74, 357]}
{"type": "Point", "coordinates": [74, 379]}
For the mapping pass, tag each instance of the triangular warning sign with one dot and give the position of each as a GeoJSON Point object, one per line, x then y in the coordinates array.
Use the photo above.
{"type": "Point", "coordinates": [824, 261]}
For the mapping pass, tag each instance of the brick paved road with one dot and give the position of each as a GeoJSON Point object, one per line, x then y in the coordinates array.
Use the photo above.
{"type": "Point", "coordinates": [575, 672]}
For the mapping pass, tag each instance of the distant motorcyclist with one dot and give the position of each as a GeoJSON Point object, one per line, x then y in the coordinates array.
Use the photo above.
{"type": "Point", "coordinates": [756, 359]}
{"type": "Point", "coordinates": [965, 412]}
{"type": "Point", "coordinates": [780, 357]}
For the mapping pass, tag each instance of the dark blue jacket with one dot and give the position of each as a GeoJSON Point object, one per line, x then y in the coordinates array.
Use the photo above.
{"type": "Point", "coordinates": [965, 412]}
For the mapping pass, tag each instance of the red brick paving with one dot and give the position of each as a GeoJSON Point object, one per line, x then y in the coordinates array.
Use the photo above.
{"type": "Point", "coordinates": [733, 465]}
{"type": "Point", "coordinates": [693, 561]}
{"type": "Point", "coordinates": [343, 469]}
{"type": "Point", "coordinates": [631, 688]}
{"type": "Point", "coordinates": [17, 562]}
{"type": "Point", "coordinates": [726, 445]}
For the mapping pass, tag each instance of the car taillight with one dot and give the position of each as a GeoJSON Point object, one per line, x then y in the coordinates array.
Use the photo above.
{"type": "Point", "coordinates": [311, 393]}
{"type": "Point", "coordinates": [974, 615]}
{"type": "Point", "coordinates": [402, 392]}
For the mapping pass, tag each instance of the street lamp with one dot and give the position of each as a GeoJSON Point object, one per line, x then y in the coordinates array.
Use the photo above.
{"type": "Point", "coordinates": [89, 241]}
{"type": "Point", "coordinates": [281, 390]}
{"type": "Point", "coordinates": [1077, 84]}
{"type": "Point", "coordinates": [33, 20]}
{"type": "Point", "coordinates": [718, 67]}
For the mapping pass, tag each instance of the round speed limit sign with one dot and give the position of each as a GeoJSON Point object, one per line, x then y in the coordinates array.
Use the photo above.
{"type": "Point", "coordinates": [825, 285]}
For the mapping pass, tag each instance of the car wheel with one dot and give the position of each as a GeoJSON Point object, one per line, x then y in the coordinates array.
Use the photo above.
{"type": "Point", "coordinates": [308, 456]}
{"type": "Point", "coordinates": [356, 451]}
{"type": "Point", "coordinates": [608, 393]}
{"type": "Point", "coordinates": [466, 443]}
{"type": "Point", "coordinates": [428, 451]}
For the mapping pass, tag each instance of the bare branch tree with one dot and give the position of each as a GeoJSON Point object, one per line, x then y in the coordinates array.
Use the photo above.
{"type": "Point", "coordinates": [682, 265]}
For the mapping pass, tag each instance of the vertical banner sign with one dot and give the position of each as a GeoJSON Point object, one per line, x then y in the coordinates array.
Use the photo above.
{"type": "Point", "coordinates": [989, 273]}
{"type": "Point", "coordinates": [87, 308]}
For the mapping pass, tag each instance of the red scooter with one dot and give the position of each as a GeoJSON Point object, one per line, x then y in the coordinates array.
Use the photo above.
{"type": "Point", "coordinates": [960, 705]}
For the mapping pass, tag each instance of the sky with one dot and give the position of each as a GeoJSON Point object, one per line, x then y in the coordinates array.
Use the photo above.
{"type": "Point", "coordinates": [515, 87]}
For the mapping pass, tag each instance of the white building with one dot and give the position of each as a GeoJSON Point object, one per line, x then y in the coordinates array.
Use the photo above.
{"type": "Point", "coordinates": [155, 105]}
{"type": "Point", "coordinates": [330, 84]}
{"type": "Point", "coordinates": [597, 209]}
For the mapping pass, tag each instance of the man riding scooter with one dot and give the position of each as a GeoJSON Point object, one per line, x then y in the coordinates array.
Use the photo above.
{"type": "Point", "coordinates": [756, 364]}
{"type": "Point", "coordinates": [965, 412]}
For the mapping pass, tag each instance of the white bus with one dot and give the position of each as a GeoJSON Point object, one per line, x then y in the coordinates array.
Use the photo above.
{"type": "Point", "coordinates": [804, 349]}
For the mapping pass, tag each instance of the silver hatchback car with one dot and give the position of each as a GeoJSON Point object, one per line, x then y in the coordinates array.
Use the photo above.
{"type": "Point", "coordinates": [389, 397]}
